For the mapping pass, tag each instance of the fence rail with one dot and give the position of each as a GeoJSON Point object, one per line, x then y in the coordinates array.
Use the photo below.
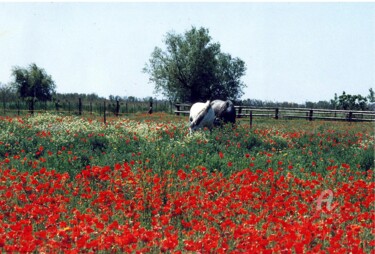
{"type": "Point", "coordinates": [293, 113]}
{"type": "Point", "coordinates": [85, 107]}
{"type": "Point", "coordinates": [101, 108]}
{"type": "Point", "coordinates": [119, 108]}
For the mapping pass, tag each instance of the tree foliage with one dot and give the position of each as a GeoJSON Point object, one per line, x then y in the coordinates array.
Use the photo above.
{"type": "Point", "coordinates": [371, 96]}
{"type": "Point", "coordinates": [350, 102]}
{"type": "Point", "coordinates": [193, 68]}
{"type": "Point", "coordinates": [7, 93]}
{"type": "Point", "coordinates": [33, 83]}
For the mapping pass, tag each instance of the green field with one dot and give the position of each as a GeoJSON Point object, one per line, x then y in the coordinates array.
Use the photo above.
{"type": "Point", "coordinates": [143, 183]}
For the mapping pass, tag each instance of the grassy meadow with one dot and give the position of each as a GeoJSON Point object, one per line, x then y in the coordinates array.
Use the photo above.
{"type": "Point", "coordinates": [143, 184]}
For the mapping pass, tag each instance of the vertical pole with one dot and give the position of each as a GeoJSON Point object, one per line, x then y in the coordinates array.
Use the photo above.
{"type": "Point", "coordinates": [311, 115]}
{"type": "Point", "coordinates": [69, 107]}
{"type": "Point", "coordinates": [178, 109]}
{"type": "Point", "coordinates": [276, 113]}
{"type": "Point", "coordinates": [117, 108]}
{"type": "Point", "coordinates": [105, 118]}
{"type": "Point", "coordinates": [350, 116]}
{"type": "Point", "coordinates": [90, 107]}
{"type": "Point", "coordinates": [79, 106]}
{"type": "Point", "coordinates": [18, 107]}
{"type": "Point", "coordinates": [251, 119]}
{"type": "Point", "coordinates": [150, 108]}
{"type": "Point", "coordinates": [32, 106]}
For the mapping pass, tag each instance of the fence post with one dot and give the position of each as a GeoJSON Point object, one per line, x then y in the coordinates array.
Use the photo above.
{"type": "Point", "coordinates": [79, 106]}
{"type": "Point", "coordinates": [239, 111]}
{"type": "Point", "coordinates": [31, 106]}
{"type": "Point", "coordinates": [276, 113]}
{"type": "Point", "coordinates": [57, 105]}
{"type": "Point", "coordinates": [18, 107]}
{"type": "Point", "coordinates": [251, 119]}
{"type": "Point", "coordinates": [178, 109]}
{"type": "Point", "coordinates": [350, 116]}
{"type": "Point", "coordinates": [150, 108]}
{"type": "Point", "coordinates": [117, 108]}
{"type": "Point", "coordinates": [311, 114]}
{"type": "Point", "coordinates": [105, 118]}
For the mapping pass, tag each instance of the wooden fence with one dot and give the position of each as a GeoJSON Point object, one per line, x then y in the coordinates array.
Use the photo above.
{"type": "Point", "coordinates": [97, 107]}
{"type": "Point", "coordinates": [294, 113]}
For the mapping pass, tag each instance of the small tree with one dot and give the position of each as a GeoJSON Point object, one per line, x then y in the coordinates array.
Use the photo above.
{"type": "Point", "coordinates": [352, 102]}
{"type": "Point", "coordinates": [6, 94]}
{"type": "Point", "coordinates": [371, 96]}
{"type": "Point", "coordinates": [335, 101]}
{"type": "Point", "coordinates": [192, 68]}
{"type": "Point", "coordinates": [33, 83]}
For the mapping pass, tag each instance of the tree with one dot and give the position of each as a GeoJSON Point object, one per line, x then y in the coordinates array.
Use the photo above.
{"type": "Point", "coordinates": [33, 83]}
{"type": "Point", "coordinates": [335, 101]}
{"type": "Point", "coordinates": [371, 96]}
{"type": "Point", "coordinates": [351, 102]}
{"type": "Point", "coordinates": [6, 94]}
{"type": "Point", "coordinates": [192, 68]}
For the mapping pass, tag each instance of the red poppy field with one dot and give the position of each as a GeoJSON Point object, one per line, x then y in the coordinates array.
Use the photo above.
{"type": "Point", "coordinates": [144, 185]}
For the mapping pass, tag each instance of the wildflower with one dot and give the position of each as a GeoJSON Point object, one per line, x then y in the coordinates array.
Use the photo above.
{"type": "Point", "coordinates": [346, 166]}
{"type": "Point", "coordinates": [221, 155]}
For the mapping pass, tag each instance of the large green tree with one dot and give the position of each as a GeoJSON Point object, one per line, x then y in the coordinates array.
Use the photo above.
{"type": "Point", "coordinates": [192, 68]}
{"type": "Point", "coordinates": [33, 83]}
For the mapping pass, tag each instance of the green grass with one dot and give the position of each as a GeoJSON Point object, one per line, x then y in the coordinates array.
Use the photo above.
{"type": "Point", "coordinates": [71, 143]}
{"type": "Point", "coordinates": [145, 176]}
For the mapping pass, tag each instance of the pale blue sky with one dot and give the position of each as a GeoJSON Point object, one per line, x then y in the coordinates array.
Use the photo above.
{"type": "Point", "coordinates": [294, 52]}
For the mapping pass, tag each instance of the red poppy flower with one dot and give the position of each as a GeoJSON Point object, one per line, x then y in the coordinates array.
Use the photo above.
{"type": "Point", "coordinates": [221, 155]}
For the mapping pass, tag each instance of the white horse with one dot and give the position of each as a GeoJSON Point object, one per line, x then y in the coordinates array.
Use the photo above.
{"type": "Point", "coordinates": [224, 112]}
{"type": "Point", "coordinates": [201, 115]}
